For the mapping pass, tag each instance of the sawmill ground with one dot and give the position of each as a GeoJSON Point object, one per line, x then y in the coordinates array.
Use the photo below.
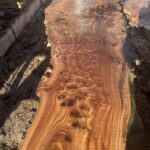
{"type": "Point", "coordinates": [24, 66]}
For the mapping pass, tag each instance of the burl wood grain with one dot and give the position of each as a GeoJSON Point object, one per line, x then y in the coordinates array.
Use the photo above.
{"type": "Point", "coordinates": [85, 105]}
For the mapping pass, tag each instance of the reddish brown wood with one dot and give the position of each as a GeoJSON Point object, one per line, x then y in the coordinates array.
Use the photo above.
{"type": "Point", "coordinates": [85, 105]}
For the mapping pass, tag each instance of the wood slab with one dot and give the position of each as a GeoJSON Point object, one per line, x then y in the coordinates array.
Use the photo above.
{"type": "Point", "coordinates": [85, 105]}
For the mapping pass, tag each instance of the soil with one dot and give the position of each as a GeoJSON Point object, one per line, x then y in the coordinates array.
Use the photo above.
{"type": "Point", "coordinates": [139, 40]}
{"type": "Point", "coordinates": [22, 69]}
{"type": "Point", "coordinates": [140, 44]}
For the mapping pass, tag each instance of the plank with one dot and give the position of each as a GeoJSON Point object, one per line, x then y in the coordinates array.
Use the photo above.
{"type": "Point", "coordinates": [85, 105]}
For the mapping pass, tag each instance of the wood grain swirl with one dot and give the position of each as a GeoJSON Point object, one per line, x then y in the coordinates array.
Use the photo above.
{"type": "Point", "coordinates": [85, 105]}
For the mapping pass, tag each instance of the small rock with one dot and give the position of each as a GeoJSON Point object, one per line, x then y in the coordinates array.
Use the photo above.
{"type": "Point", "coordinates": [3, 91]}
{"type": "Point", "coordinates": [49, 45]}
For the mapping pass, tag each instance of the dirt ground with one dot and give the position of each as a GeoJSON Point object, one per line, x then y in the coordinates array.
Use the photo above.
{"type": "Point", "coordinates": [24, 66]}
{"type": "Point", "coordinates": [139, 135]}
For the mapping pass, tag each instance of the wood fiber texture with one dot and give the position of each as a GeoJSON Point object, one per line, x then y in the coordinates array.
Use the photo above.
{"type": "Point", "coordinates": [85, 105]}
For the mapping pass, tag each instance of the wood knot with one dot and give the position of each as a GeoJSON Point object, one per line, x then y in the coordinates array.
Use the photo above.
{"type": "Point", "coordinates": [68, 138]}
{"type": "Point", "coordinates": [63, 104]}
{"type": "Point", "coordinates": [62, 96]}
{"type": "Point", "coordinates": [74, 114]}
{"type": "Point", "coordinates": [76, 125]}
{"type": "Point", "coordinates": [70, 103]}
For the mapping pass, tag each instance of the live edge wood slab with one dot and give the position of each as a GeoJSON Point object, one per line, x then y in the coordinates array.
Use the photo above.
{"type": "Point", "coordinates": [85, 105]}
